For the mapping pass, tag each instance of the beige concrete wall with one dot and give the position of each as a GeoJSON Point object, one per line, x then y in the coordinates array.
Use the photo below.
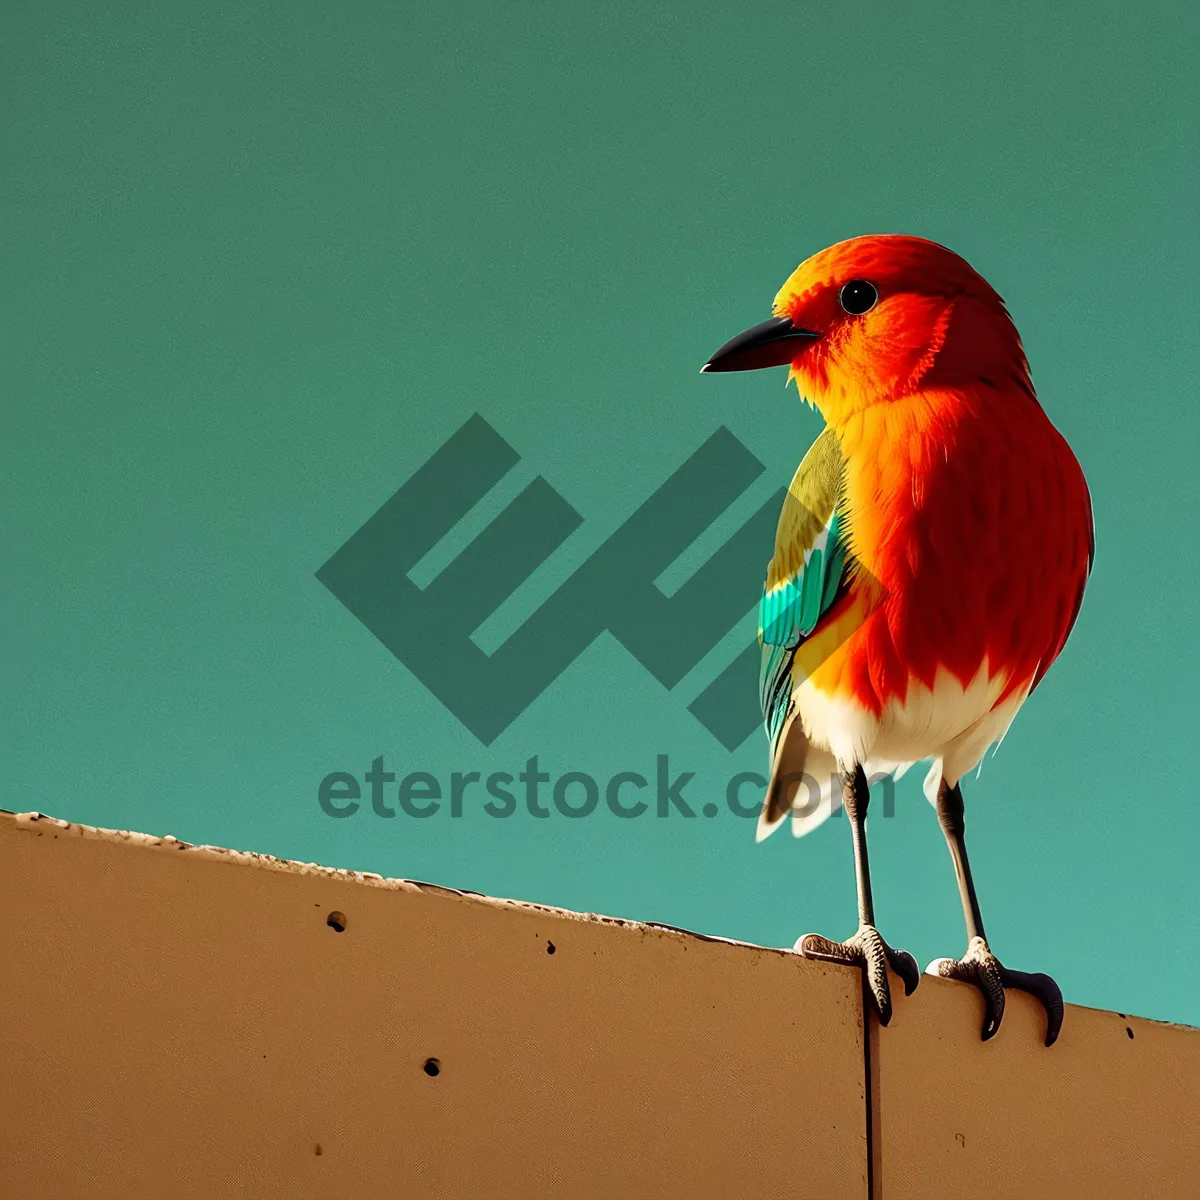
{"type": "Point", "coordinates": [1112, 1109]}
{"type": "Point", "coordinates": [186, 1022]}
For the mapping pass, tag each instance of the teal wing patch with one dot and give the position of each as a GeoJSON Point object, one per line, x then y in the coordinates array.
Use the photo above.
{"type": "Point", "coordinates": [804, 578]}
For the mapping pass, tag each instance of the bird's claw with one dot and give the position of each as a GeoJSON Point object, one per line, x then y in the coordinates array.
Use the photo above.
{"type": "Point", "coordinates": [868, 950]}
{"type": "Point", "coordinates": [982, 969]}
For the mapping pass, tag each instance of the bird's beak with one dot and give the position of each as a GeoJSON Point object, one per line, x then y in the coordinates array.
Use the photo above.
{"type": "Point", "coordinates": [774, 343]}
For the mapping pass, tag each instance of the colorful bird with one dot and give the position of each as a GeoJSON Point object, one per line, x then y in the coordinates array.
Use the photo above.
{"type": "Point", "coordinates": [930, 561]}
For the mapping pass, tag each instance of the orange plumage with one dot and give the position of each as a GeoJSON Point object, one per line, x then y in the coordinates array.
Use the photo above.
{"type": "Point", "coordinates": [966, 504]}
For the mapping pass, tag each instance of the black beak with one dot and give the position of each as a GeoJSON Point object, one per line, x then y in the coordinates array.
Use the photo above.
{"type": "Point", "coordinates": [774, 343]}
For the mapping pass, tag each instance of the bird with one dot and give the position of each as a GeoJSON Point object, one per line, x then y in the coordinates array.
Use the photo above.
{"type": "Point", "coordinates": [930, 561]}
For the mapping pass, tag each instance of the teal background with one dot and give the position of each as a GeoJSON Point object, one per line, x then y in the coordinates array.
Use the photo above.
{"type": "Point", "coordinates": [261, 260]}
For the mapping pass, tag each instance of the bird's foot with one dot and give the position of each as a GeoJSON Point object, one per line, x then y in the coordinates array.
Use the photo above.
{"type": "Point", "coordinates": [981, 968]}
{"type": "Point", "coordinates": [868, 950]}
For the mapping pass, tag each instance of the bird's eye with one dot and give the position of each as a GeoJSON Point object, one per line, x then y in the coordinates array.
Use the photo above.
{"type": "Point", "coordinates": [858, 296]}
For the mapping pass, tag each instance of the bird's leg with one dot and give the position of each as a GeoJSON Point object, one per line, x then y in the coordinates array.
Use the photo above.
{"type": "Point", "coordinates": [866, 948]}
{"type": "Point", "coordinates": [979, 966]}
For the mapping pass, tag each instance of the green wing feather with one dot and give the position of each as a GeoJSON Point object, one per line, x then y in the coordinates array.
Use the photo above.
{"type": "Point", "coordinates": [803, 581]}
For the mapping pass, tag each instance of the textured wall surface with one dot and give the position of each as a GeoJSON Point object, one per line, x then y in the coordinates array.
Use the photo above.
{"type": "Point", "coordinates": [199, 1022]}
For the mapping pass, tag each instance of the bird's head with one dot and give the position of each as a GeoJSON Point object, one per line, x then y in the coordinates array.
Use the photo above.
{"type": "Point", "coordinates": [875, 319]}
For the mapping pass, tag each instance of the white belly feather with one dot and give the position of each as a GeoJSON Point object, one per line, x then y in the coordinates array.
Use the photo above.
{"type": "Point", "coordinates": [948, 723]}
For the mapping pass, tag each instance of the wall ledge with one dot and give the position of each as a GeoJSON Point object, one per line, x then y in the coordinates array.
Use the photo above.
{"type": "Point", "coordinates": [195, 1022]}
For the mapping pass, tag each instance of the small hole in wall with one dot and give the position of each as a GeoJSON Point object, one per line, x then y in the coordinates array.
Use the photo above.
{"type": "Point", "coordinates": [432, 1067]}
{"type": "Point", "coordinates": [317, 1150]}
{"type": "Point", "coordinates": [1129, 1031]}
{"type": "Point", "coordinates": [549, 947]}
{"type": "Point", "coordinates": [336, 921]}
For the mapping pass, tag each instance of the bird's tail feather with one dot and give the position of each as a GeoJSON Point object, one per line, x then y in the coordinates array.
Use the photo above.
{"type": "Point", "coordinates": [803, 779]}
